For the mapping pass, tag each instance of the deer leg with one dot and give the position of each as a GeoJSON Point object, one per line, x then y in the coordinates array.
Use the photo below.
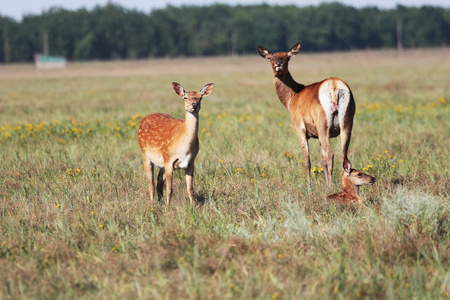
{"type": "Point", "coordinates": [327, 163]}
{"type": "Point", "coordinates": [326, 154]}
{"type": "Point", "coordinates": [346, 134]}
{"type": "Point", "coordinates": [160, 184]}
{"type": "Point", "coordinates": [168, 178]}
{"type": "Point", "coordinates": [304, 145]}
{"type": "Point", "coordinates": [148, 168]}
{"type": "Point", "coordinates": [190, 182]}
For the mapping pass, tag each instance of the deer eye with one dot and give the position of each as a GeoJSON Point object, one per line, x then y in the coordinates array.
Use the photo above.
{"type": "Point", "coordinates": [359, 174]}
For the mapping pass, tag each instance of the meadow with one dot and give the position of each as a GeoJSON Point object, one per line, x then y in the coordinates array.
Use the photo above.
{"type": "Point", "coordinates": [75, 215]}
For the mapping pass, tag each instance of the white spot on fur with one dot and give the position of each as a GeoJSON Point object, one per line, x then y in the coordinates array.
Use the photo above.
{"type": "Point", "coordinates": [184, 162]}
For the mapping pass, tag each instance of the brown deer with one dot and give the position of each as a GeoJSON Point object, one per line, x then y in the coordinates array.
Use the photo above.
{"type": "Point", "coordinates": [320, 110]}
{"type": "Point", "coordinates": [170, 143]}
{"type": "Point", "coordinates": [351, 180]}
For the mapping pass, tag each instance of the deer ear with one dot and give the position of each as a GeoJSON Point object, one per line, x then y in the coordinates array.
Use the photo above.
{"type": "Point", "coordinates": [294, 50]}
{"type": "Point", "coordinates": [264, 52]}
{"type": "Point", "coordinates": [347, 167]}
{"type": "Point", "coordinates": [178, 89]}
{"type": "Point", "coordinates": [207, 89]}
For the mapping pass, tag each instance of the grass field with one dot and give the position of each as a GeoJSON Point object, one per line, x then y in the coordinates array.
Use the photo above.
{"type": "Point", "coordinates": [76, 219]}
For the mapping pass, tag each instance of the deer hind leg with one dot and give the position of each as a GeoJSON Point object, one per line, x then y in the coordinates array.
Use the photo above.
{"type": "Point", "coordinates": [304, 145]}
{"type": "Point", "coordinates": [346, 134]}
{"type": "Point", "coordinates": [148, 168]}
{"type": "Point", "coordinates": [326, 154]}
{"type": "Point", "coordinates": [160, 183]}
{"type": "Point", "coordinates": [327, 162]}
{"type": "Point", "coordinates": [190, 183]}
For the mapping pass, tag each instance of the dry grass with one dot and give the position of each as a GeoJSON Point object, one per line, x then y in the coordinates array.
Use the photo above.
{"type": "Point", "coordinates": [75, 215]}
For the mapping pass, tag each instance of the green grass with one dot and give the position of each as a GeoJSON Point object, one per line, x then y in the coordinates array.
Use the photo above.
{"type": "Point", "coordinates": [75, 214]}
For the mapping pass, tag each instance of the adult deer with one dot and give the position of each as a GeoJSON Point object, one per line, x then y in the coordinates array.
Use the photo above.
{"type": "Point", "coordinates": [170, 143]}
{"type": "Point", "coordinates": [320, 110]}
{"type": "Point", "coordinates": [351, 180]}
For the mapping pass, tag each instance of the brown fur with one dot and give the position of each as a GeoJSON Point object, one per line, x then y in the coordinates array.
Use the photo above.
{"type": "Point", "coordinates": [351, 181]}
{"type": "Point", "coordinates": [308, 114]}
{"type": "Point", "coordinates": [171, 144]}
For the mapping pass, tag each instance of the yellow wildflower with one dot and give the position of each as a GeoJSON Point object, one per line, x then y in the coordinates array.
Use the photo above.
{"type": "Point", "coordinates": [77, 130]}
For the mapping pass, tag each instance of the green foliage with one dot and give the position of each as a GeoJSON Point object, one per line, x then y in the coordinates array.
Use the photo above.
{"type": "Point", "coordinates": [418, 212]}
{"type": "Point", "coordinates": [113, 32]}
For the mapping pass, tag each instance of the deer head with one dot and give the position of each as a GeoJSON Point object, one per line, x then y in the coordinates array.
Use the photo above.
{"type": "Point", "coordinates": [280, 60]}
{"type": "Point", "coordinates": [192, 100]}
{"type": "Point", "coordinates": [358, 178]}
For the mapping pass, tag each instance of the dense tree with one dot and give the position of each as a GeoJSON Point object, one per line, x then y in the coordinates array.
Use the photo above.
{"type": "Point", "coordinates": [113, 32]}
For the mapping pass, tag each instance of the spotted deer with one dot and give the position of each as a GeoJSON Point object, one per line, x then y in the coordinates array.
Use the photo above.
{"type": "Point", "coordinates": [320, 110]}
{"type": "Point", "coordinates": [351, 180]}
{"type": "Point", "coordinates": [171, 144]}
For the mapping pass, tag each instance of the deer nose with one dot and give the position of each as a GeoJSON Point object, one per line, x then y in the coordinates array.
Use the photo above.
{"type": "Point", "coordinates": [278, 63]}
{"type": "Point", "coordinates": [195, 105]}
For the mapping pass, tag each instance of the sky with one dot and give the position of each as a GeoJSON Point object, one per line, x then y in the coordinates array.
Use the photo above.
{"type": "Point", "coordinates": [16, 9]}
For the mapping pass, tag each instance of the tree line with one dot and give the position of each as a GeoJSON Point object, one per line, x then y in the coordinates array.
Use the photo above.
{"type": "Point", "coordinates": [114, 32]}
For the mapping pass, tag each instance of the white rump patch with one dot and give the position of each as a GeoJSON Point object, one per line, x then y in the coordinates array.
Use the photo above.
{"type": "Point", "coordinates": [334, 90]}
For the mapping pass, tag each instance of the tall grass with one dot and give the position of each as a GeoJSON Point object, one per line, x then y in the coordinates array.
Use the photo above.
{"type": "Point", "coordinates": [76, 220]}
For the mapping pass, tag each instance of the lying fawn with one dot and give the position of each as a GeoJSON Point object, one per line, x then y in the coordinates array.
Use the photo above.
{"type": "Point", "coordinates": [351, 180]}
{"type": "Point", "coordinates": [321, 110]}
{"type": "Point", "coordinates": [170, 143]}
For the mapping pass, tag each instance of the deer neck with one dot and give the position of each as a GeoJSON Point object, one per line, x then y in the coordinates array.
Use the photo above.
{"type": "Point", "coordinates": [348, 187]}
{"type": "Point", "coordinates": [286, 88]}
{"type": "Point", "coordinates": [191, 124]}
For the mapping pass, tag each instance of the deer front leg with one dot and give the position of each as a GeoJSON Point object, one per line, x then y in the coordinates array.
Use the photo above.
{"type": "Point", "coordinates": [190, 182]}
{"type": "Point", "coordinates": [148, 168]}
{"type": "Point", "coordinates": [304, 145]}
{"type": "Point", "coordinates": [168, 178]}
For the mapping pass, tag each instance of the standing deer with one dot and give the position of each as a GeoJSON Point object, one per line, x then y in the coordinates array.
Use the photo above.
{"type": "Point", "coordinates": [170, 143]}
{"type": "Point", "coordinates": [351, 180]}
{"type": "Point", "coordinates": [320, 110]}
